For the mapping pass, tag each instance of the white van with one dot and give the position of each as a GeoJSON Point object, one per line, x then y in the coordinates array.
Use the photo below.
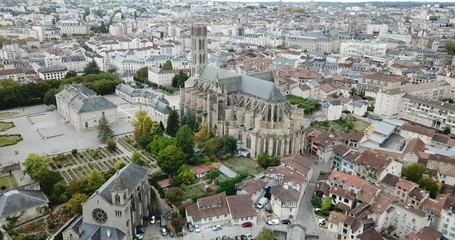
{"type": "Point", "coordinates": [261, 203]}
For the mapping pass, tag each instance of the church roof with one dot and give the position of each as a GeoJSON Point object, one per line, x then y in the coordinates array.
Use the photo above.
{"type": "Point", "coordinates": [15, 201]}
{"type": "Point", "coordinates": [95, 232]}
{"type": "Point", "coordinates": [131, 175]}
{"type": "Point", "coordinates": [258, 85]}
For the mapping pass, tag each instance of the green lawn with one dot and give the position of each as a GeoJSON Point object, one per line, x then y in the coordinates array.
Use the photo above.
{"type": "Point", "coordinates": [239, 164]}
{"type": "Point", "coordinates": [9, 181]}
{"type": "Point", "coordinates": [195, 191]}
{"type": "Point", "coordinates": [309, 105]}
{"type": "Point", "coordinates": [5, 126]}
{"type": "Point", "coordinates": [338, 126]}
{"type": "Point", "coordinates": [8, 114]}
{"type": "Point", "coordinates": [9, 140]}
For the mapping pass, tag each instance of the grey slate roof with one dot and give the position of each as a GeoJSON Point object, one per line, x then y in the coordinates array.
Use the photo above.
{"type": "Point", "coordinates": [131, 175]}
{"type": "Point", "coordinates": [81, 99]}
{"type": "Point", "coordinates": [52, 69]}
{"type": "Point", "coordinates": [96, 232]}
{"type": "Point", "coordinates": [15, 201]}
{"type": "Point", "coordinates": [234, 82]}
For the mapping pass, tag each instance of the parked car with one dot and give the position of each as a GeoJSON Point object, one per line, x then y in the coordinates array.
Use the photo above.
{"type": "Point", "coordinates": [217, 227]}
{"type": "Point", "coordinates": [286, 221]}
{"type": "Point", "coordinates": [139, 237]}
{"type": "Point", "coordinates": [196, 228]}
{"type": "Point", "coordinates": [262, 203]}
{"type": "Point", "coordinates": [140, 230]}
{"type": "Point", "coordinates": [274, 221]}
{"type": "Point", "coordinates": [249, 236]}
{"type": "Point", "coordinates": [238, 237]}
{"type": "Point", "coordinates": [152, 221]}
{"type": "Point", "coordinates": [243, 237]}
{"type": "Point", "coordinates": [163, 231]}
{"type": "Point", "coordinates": [247, 224]}
{"type": "Point", "coordinates": [190, 227]}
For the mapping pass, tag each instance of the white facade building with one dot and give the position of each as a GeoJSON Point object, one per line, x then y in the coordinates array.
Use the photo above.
{"type": "Point", "coordinates": [361, 48]}
{"type": "Point", "coordinates": [83, 108]}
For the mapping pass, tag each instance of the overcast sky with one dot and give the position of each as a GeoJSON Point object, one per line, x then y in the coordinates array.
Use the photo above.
{"type": "Point", "coordinates": [284, 1]}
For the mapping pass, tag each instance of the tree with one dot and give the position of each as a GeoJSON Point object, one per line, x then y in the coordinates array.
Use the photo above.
{"type": "Point", "coordinates": [144, 128]}
{"type": "Point", "coordinates": [119, 164]}
{"type": "Point", "coordinates": [184, 139]}
{"type": "Point", "coordinates": [59, 193]}
{"type": "Point", "coordinates": [175, 195]}
{"type": "Point", "coordinates": [353, 92]}
{"type": "Point", "coordinates": [326, 205]}
{"type": "Point", "coordinates": [203, 135]}
{"type": "Point", "coordinates": [178, 81]}
{"type": "Point", "coordinates": [212, 148]}
{"type": "Point", "coordinates": [173, 123]}
{"type": "Point", "coordinates": [94, 181]}
{"type": "Point", "coordinates": [70, 74]}
{"type": "Point", "coordinates": [167, 65]}
{"type": "Point", "coordinates": [185, 175]}
{"type": "Point", "coordinates": [170, 159]}
{"type": "Point", "coordinates": [36, 165]}
{"type": "Point", "coordinates": [265, 161]}
{"type": "Point", "coordinates": [136, 158]}
{"type": "Point", "coordinates": [446, 130]}
{"type": "Point", "coordinates": [159, 143]}
{"type": "Point", "coordinates": [190, 119]}
{"type": "Point", "coordinates": [75, 203]}
{"type": "Point", "coordinates": [92, 68]}
{"type": "Point", "coordinates": [229, 144]}
{"type": "Point", "coordinates": [265, 234]}
{"type": "Point", "coordinates": [104, 130]}
{"type": "Point", "coordinates": [142, 75]}
{"type": "Point", "coordinates": [213, 174]}
{"type": "Point", "coordinates": [450, 46]}
{"type": "Point", "coordinates": [413, 172]}
{"type": "Point", "coordinates": [49, 96]}
{"type": "Point", "coordinates": [111, 144]}
{"type": "Point", "coordinates": [430, 185]}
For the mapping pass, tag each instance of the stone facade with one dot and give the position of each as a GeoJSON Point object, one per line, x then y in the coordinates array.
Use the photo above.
{"type": "Point", "coordinates": [247, 107]}
{"type": "Point", "coordinates": [83, 108]}
{"type": "Point", "coordinates": [116, 208]}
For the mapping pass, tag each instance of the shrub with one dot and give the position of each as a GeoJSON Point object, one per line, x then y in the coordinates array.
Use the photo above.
{"type": "Point", "coordinates": [3, 187]}
{"type": "Point", "coordinates": [74, 151]}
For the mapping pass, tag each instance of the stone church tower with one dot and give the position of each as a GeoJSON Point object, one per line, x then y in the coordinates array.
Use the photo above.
{"type": "Point", "coordinates": [198, 48]}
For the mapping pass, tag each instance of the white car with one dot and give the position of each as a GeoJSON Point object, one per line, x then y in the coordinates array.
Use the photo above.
{"type": "Point", "coordinates": [274, 221]}
{"type": "Point", "coordinates": [217, 227]}
{"type": "Point", "coordinates": [153, 220]}
{"type": "Point", "coordinates": [196, 228]}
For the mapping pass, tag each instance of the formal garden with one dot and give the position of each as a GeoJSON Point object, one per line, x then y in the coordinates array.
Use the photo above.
{"type": "Point", "coordinates": [8, 139]}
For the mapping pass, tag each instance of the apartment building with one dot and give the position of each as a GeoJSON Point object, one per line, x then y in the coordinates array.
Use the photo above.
{"type": "Point", "coordinates": [367, 164]}
{"type": "Point", "coordinates": [163, 77]}
{"type": "Point", "coordinates": [403, 219]}
{"type": "Point", "coordinates": [388, 102]}
{"type": "Point", "coordinates": [362, 48]}
{"type": "Point", "coordinates": [320, 144]}
{"type": "Point", "coordinates": [320, 41]}
{"type": "Point", "coordinates": [427, 112]}
{"type": "Point", "coordinates": [71, 27]}
{"type": "Point", "coordinates": [373, 82]}
{"type": "Point", "coordinates": [447, 220]}
{"type": "Point", "coordinates": [54, 72]}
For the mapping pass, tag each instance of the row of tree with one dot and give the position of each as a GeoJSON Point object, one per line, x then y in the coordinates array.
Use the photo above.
{"type": "Point", "coordinates": [55, 188]}
{"type": "Point", "coordinates": [13, 94]}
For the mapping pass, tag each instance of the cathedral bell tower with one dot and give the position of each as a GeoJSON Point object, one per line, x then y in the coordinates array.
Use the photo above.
{"type": "Point", "coordinates": [198, 48]}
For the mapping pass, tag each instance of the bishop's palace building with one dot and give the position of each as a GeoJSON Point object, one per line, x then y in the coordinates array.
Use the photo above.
{"type": "Point", "coordinates": [248, 107]}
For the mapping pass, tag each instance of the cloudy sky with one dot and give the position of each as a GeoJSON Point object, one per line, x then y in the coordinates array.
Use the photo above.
{"type": "Point", "coordinates": [284, 1]}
